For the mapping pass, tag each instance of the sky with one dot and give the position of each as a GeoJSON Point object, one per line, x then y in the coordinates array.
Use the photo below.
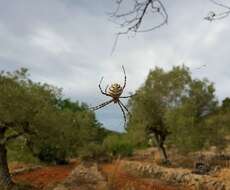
{"type": "Point", "coordinates": [68, 43]}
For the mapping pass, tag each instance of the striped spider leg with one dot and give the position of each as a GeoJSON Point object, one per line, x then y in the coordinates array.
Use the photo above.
{"type": "Point", "coordinates": [114, 91]}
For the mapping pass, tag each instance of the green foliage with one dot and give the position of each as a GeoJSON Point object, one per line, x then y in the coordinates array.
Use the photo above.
{"type": "Point", "coordinates": [187, 121]}
{"type": "Point", "coordinates": [67, 104]}
{"type": "Point", "coordinates": [49, 154]}
{"type": "Point", "coordinates": [74, 129]}
{"type": "Point", "coordinates": [218, 129]}
{"type": "Point", "coordinates": [226, 105]}
{"type": "Point", "coordinates": [93, 152]}
{"type": "Point", "coordinates": [18, 151]}
{"type": "Point", "coordinates": [185, 134]}
{"type": "Point", "coordinates": [170, 107]}
{"type": "Point", "coordinates": [21, 100]}
{"type": "Point", "coordinates": [23, 105]}
{"type": "Point", "coordinates": [161, 92]}
{"type": "Point", "coordinates": [117, 145]}
{"type": "Point", "coordinates": [173, 108]}
{"type": "Point", "coordinates": [52, 128]}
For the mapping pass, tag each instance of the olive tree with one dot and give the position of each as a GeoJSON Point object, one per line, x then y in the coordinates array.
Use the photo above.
{"type": "Point", "coordinates": [161, 92]}
{"type": "Point", "coordinates": [188, 122]}
{"type": "Point", "coordinates": [21, 103]}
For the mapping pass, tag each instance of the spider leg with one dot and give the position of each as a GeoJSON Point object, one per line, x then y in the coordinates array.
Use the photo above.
{"type": "Point", "coordinates": [101, 105]}
{"type": "Point", "coordinates": [101, 88]}
{"type": "Point", "coordinates": [106, 89]}
{"type": "Point", "coordinates": [127, 96]}
{"type": "Point", "coordinates": [122, 112]}
{"type": "Point", "coordinates": [124, 78]}
{"type": "Point", "coordinates": [124, 107]}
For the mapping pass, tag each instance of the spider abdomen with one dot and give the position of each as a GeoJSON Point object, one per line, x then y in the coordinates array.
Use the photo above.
{"type": "Point", "coordinates": [115, 90]}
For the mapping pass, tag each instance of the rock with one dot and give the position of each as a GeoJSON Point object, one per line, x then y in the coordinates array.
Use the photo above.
{"type": "Point", "coordinates": [86, 178]}
{"type": "Point", "coordinates": [84, 174]}
{"type": "Point", "coordinates": [176, 176]}
{"type": "Point", "coordinates": [201, 168]}
{"type": "Point", "coordinates": [60, 187]}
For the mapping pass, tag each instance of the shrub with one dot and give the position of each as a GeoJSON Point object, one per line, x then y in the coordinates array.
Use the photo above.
{"type": "Point", "coordinates": [122, 149]}
{"type": "Point", "coordinates": [51, 154]}
{"type": "Point", "coordinates": [94, 152]}
{"type": "Point", "coordinates": [118, 146]}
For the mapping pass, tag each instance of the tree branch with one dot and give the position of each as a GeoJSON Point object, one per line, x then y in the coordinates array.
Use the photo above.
{"type": "Point", "coordinates": [132, 20]}
{"type": "Point", "coordinates": [15, 136]}
{"type": "Point", "coordinates": [217, 16]}
{"type": "Point", "coordinates": [11, 137]}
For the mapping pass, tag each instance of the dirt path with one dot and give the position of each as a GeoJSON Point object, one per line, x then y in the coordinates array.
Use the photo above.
{"type": "Point", "coordinates": [123, 181]}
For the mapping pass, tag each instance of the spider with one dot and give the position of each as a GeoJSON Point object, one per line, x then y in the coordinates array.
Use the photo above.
{"type": "Point", "coordinates": [114, 91]}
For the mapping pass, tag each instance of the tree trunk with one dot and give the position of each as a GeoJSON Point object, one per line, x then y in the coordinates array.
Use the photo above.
{"type": "Point", "coordinates": [164, 152]}
{"type": "Point", "coordinates": [5, 178]}
{"type": "Point", "coordinates": [160, 144]}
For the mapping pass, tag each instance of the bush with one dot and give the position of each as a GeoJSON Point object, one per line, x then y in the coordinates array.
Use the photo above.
{"type": "Point", "coordinates": [118, 146]}
{"type": "Point", "coordinates": [92, 152]}
{"type": "Point", "coordinates": [122, 149]}
{"type": "Point", "coordinates": [51, 154]}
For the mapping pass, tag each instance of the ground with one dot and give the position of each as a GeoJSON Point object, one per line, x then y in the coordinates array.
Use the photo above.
{"type": "Point", "coordinates": [47, 177]}
{"type": "Point", "coordinates": [122, 179]}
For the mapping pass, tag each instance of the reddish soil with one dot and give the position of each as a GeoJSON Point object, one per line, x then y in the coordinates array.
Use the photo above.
{"type": "Point", "coordinates": [123, 180]}
{"type": "Point", "coordinates": [46, 176]}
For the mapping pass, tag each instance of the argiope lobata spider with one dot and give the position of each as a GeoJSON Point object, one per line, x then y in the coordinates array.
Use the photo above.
{"type": "Point", "coordinates": [115, 91]}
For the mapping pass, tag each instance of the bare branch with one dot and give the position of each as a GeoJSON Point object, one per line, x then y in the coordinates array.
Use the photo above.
{"type": "Point", "coordinates": [220, 4]}
{"type": "Point", "coordinates": [124, 77]}
{"type": "Point", "coordinates": [106, 88]}
{"type": "Point", "coordinates": [132, 20]}
{"type": "Point", "coordinates": [218, 16]}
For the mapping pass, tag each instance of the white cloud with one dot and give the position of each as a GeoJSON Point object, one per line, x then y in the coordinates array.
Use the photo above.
{"type": "Point", "coordinates": [68, 44]}
{"type": "Point", "coordinates": [50, 41]}
{"type": "Point", "coordinates": [213, 34]}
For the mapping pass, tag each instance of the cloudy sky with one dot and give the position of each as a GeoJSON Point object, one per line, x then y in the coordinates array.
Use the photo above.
{"type": "Point", "coordinates": [68, 43]}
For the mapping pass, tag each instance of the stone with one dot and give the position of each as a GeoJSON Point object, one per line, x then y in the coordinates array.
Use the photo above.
{"type": "Point", "coordinates": [201, 168]}
{"type": "Point", "coordinates": [60, 187]}
{"type": "Point", "coordinates": [85, 178]}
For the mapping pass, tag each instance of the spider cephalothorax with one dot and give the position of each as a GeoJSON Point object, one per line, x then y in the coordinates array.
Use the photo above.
{"type": "Point", "coordinates": [115, 91]}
